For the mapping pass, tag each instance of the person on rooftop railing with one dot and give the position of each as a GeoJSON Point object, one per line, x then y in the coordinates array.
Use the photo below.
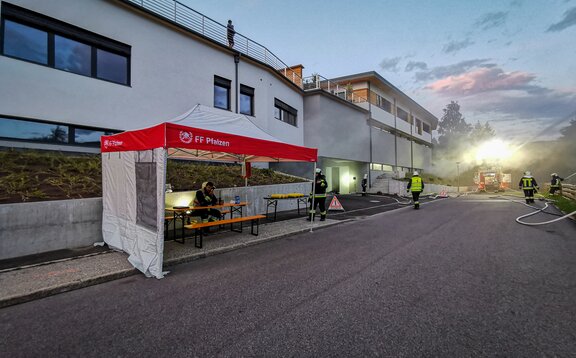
{"type": "Point", "coordinates": [230, 33]}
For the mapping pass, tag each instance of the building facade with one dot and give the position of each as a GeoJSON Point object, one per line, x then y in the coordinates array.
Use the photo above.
{"type": "Point", "coordinates": [74, 70]}
{"type": "Point", "coordinates": [363, 125]}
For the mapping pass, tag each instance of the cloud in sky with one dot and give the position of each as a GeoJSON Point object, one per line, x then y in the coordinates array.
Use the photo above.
{"type": "Point", "coordinates": [491, 19]}
{"type": "Point", "coordinates": [513, 101]}
{"type": "Point", "coordinates": [451, 70]}
{"type": "Point", "coordinates": [568, 20]}
{"type": "Point", "coordinates": [415, 64]}
{"type": "Point", "coordinates": [482, 79]}
{"type": "Point", "coordinates": [455, 46]}
{"type": "Point", "coordinates": [390, 64]}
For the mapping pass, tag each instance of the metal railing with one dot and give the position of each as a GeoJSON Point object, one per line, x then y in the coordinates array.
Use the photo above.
{"type": "Point", "coordinates": [319, 82]}
{"type": "Point", "coordinates": [194, 21]}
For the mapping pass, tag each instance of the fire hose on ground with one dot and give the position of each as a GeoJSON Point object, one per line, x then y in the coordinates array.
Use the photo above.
{"type": "Point", "coordinates": [537, 210]}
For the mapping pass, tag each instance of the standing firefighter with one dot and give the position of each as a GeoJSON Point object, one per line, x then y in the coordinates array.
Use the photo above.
{"type": "Point", "coordinates": [416, 185]}
{"type": "Point", "coordinates": [320, 184]}
{"type": "Point", "coordinates": [529, 185]}
{"type": "Point", "coordinates": [555, 183]}
{"type": "Point", "coordinates": [364, 184]}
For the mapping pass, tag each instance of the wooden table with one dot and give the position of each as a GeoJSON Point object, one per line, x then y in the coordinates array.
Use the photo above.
{"type": "Point", "coordinates": [182, 212]}
{"type": "Point", "coordinates": [270, 201]}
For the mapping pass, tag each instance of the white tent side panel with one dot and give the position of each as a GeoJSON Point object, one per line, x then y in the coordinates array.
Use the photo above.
{"type": "Point", "coordinates": [133, 189]}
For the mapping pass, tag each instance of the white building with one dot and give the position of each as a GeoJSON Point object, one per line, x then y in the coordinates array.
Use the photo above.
{"type": "Point", "coordinates": [73, 70]}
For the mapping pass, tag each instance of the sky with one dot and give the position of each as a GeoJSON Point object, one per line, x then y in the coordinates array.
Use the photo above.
{"type": "Point", "coordinates": [511, 63]}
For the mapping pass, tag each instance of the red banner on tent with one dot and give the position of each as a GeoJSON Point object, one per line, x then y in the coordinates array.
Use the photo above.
{"type": "Point", "coordinates": [178, 136]}
{"type": "Point", "coordinates": [170, 135]}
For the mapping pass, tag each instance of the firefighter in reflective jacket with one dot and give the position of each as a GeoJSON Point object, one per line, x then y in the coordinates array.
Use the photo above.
{"type": "Point", "coordinates": [529, 185]}
{"type": "Point", "coordinates": [320, 184]}
{"type": "Point", "coordinates": [555, 183]}
{"type": "Point", "coordinates": [416, 185]}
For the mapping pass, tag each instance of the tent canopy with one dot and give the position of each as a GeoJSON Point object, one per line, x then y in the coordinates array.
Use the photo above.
{"type": "Point", "coordinates": [133, 179]}
{"type": "Point", "coordinates": [205, 133]}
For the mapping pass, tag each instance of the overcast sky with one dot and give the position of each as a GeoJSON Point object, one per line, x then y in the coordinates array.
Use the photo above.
{"type": "Point", "coordinates": [510, 62]}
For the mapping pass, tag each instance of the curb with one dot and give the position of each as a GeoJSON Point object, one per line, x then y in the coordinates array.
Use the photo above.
{"type": "Point", "coordinates": [14, 300]}
{"type": "Point", "coordinates": [51, 291]}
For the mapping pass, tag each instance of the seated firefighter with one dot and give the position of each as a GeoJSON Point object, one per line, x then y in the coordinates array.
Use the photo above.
{"type": "Point", "coordinates": [206, 197]}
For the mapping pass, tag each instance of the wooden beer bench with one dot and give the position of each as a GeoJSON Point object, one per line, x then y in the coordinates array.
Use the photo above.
{"type": "Point", "coordinates": [197, 227]}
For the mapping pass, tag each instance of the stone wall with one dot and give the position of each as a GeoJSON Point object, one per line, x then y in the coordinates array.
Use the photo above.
{"type": "Point", "coordinates": [33, 228]}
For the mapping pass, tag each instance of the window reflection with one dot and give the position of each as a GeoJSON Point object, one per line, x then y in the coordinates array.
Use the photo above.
{"type": "Point", "coordinates": [221, 97]}
{"type": "Point", "coordinates": [245, 104]}
{"type": "Point", "coordinates": [40, 132]}
{"type": "Point", "coordinates": [25, 42]}
{"type": "Point", "coordinates": [88, 136]}
{"type": "Point", "coordinates": [72, 56]}
{"type": "Point", "coordinates": [111, 67]}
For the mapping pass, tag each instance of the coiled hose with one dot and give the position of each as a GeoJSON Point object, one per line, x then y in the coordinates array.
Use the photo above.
{"type": "Point", "coordinates": [538, 210]}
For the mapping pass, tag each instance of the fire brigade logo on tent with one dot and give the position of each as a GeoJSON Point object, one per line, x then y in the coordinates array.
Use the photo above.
{"type": "Point", "coordinates": [335, 204]}
{"type": "Point", "coordinates": [185, 137]}
{"type": "Point", "coordinates": [112, 143]}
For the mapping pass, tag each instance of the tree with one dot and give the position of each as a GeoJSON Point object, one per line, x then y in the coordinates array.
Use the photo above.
{"type": "Point", "coordinates": [454, 132]}
{"type": "Point", "coordinates": [452, 127]}
{"type": "Point", "coordinates": [481, 133]}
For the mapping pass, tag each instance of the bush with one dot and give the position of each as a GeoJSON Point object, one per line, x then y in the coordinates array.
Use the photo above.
{"type": "Point", "coordinates": [42, 175]}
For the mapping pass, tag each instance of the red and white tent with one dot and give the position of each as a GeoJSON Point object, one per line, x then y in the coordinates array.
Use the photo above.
{"type": "Point", "coordinates": [134, 173]}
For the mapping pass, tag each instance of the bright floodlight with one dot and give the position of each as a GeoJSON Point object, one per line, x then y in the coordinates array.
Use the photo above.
{"type": "Point", "coordinates": [493, 150]}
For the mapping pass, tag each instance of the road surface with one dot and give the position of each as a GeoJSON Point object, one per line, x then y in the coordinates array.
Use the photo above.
{"type": "Point", "coordinates": [457, 278]}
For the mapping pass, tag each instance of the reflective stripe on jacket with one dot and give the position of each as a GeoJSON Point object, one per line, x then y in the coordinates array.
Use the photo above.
{"type": "Point", "coordinates": [416, 184]}
{"type": "Point", "coordinates": [527, 183]}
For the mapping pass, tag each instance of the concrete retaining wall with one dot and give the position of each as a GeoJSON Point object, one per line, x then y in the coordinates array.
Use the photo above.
{"type": "Point", "coordinates": [33, 228]}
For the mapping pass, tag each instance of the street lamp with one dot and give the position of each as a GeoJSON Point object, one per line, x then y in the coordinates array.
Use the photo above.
{"type": "Point", "coordinates": [458, 169]}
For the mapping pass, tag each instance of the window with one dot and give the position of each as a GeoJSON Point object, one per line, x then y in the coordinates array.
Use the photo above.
{"type": "Point", "coordinates": [36, 38]}
{"type": "Point", "coordinates": [25, 42]}
{"type": "Point", "coordinates": [426, 127]}
{"type": "Point", "coordinates": [222, 93]}
{"type": "Point", "coordinates": [246, 100]}
{"type": "Point", "coordinates": [53, 133]}
{"type": "Point", "coordinates": [402, 114]}
{"type": "Point", "coordinates": [89, 136]}
{"type": "Point", "coordinates": [110, 66]}
{"type": "Point", "coordinates": [384, 104]}
{"type": "Point", "coordinates": [284, 112]}
{"type": "Point", "coordinates": [418, 126]}
{"type": "Point", "coordinates": [72, 56]}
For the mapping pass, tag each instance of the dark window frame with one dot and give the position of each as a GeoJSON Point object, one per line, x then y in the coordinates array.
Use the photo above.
{"type": "Point", "coordinates": [426, 127]}
{"type": "Point", "coordinates": [248, 92]}
{"type": "Point", "coordinates": [225, 84]}
{"type": "Point", "coordinates": [287, 114]}
{"type": "Point", "coordinates": [402, 114]}
{"type": "Point", "coordinates": [71, 132]}
{"type": "Point", "coordinates": [53, 27]}
{"type": "Point", "coordinates": [418, 122]}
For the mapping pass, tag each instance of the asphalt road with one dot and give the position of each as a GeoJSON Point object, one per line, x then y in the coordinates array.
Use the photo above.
{"type": "Point", "coordinates": [457, 278]}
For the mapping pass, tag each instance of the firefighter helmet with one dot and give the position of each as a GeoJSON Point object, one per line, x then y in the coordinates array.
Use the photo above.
{"type": "Point", "coordinates": [415, 173]}
{"type": "Point", "coordinates": [527, 173]}
{"type": "Point", "coordinates": [318, 170]}
{"type": "Point", "coordinates": [554, 174]}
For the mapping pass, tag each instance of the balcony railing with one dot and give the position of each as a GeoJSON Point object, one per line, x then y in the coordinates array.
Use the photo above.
{"type": "Point", "coordinates": [320, 82]}
{"type": "Point", "coordinates": [182, 15]}
{"type": "Point", "coordinates": [192, 20]}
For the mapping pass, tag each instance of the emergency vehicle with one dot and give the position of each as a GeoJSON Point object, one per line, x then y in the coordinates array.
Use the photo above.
{"type": "Point", "coordinates": [492, 180]}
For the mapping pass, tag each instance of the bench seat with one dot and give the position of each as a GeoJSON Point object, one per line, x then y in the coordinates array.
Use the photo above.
{"type": "Point", "coordinates": [197, 227]}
